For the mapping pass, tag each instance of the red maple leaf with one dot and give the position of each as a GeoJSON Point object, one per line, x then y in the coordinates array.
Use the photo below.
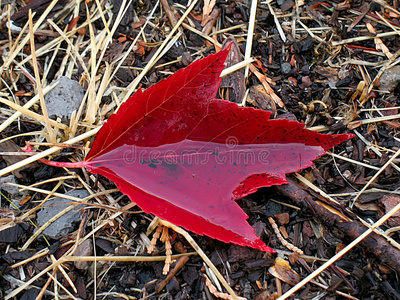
{"type": "Point", "coordinates": [185, 156]}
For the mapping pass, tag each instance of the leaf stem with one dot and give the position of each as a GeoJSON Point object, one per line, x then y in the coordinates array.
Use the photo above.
{"type": "Point", "coordinates": [61, 164]}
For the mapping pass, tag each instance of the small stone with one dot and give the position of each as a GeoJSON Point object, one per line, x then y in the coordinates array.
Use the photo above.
{"type": "Point", "coordinates": [187, 59]}
{"type": "Point", "coordinates": [305, 70]}
{"type": "Point", "coordinates": [11, 234]}
{"type": "Point", "coordinates": [306, 81]}
{"type": "Point", "coordinates": [30, 294]}
{"type": "Point", "coordinates": [105, 245]}
{"type": "Point", "coordinates": [121, 250]}
{"type": "Point", "coordinates": [287, 4]}
{"type": "Point", "coordinates": [286, 68]}
{"type": "Point", "coordinates": [84, 249]}
{"type": "Point", "coordinates": [12, 190]}
{"type": "Point", "coordinates": [66, 223]}
{"type": "Point", "coordinates": [66, 97]}
{"type": "Point", "coordinates": [390, 79]}
{"type": "Point", "coordinates": [81, 287]}
{"type": "Point", "coordinates": [153, 78]}
{"type": "Point", "coordinates": [94, 269]}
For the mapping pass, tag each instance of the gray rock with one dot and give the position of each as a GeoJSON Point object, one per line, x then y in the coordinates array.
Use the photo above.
{"type": "Point", "coordinates": [11, 234]}
{"type": "Point", "coordinates": [286, 68]}
{"type": "Point", "coordinates": [84, 249]}
{"type": "Point", "coordinates": [390, 79]}
{"type": "Point", "coordinates": [67, 222]}
{"type": "Point", "coordinates": [12, 190]}
{"type": "Point", "coordinates": [95, 269]}
{"type": "Point", "coordinates": [286, 5]}
{"type": "Point", "coordinates": [66, 97]}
